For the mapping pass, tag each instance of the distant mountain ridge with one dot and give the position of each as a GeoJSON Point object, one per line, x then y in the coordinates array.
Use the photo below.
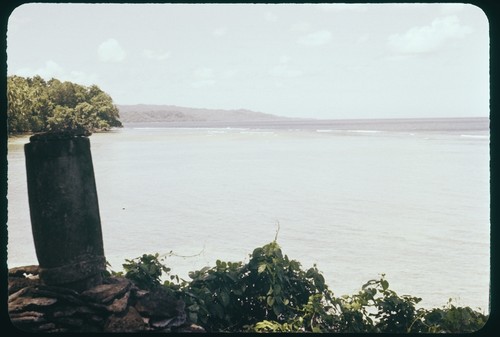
{"type": "Point", "coordinates": [148, 113]}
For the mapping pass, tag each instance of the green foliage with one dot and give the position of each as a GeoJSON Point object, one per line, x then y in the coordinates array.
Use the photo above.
{"type": "Point", "coordinates": [451, 319]}
{"type": "Point", "coordinates": [236, 296]}
{"type": "Point", "coordinates": [272, 293]}
{"type": "Point", "coordinates": [376, 308]}
{"type": "Point", "coordinates": [145, 271]}
{"type": "Point", "coordinates": [36, 105]}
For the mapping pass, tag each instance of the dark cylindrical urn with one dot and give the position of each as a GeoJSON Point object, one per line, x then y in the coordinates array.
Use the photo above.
{"type": "Point", "coordinates": [64, 210]}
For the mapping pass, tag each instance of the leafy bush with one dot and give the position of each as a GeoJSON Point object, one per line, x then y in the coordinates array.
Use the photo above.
{"type": "Point", "coordinates": [451, 319]}
{"type": "Point", "coordinates": [272, 293]}
{"type": "Point", "coordinates": [145, 271]}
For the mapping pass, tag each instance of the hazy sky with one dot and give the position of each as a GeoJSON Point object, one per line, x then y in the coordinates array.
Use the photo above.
{"type": "Point", "coordinates": [320, 61]}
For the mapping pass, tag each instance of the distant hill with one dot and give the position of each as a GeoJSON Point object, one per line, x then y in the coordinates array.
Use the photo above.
{"type": "Point", "coordinates": [146, 113]}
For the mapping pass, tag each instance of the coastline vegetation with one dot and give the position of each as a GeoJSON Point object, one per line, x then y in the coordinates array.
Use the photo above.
{"type": "Point", "coordinates": [272, 293]}
{"type": "Point", "coordinates": [36, 105]}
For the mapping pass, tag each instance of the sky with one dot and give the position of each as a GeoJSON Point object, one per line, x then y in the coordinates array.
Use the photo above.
{"type": "Point", "coordinates": [333, 61]}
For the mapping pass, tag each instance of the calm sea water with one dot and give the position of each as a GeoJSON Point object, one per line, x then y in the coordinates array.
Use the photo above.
{"type": "Point", "coordinates": [358, 198]}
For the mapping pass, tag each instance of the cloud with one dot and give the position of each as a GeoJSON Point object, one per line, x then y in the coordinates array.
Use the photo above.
{"type": "Point", "coordinates": [269, 16]}
{"type": "Point", "coordinates": [203, 77]}
{"type": "Point", "coordinates": [51, 69]}
{"type": "Point", "coordinates": [218, 32]}
{"type": "Point", "coordinates": [363, 39]}
{"type": "Point", "coordinates": [283, 69]}
{"type": "Point", "coordinates": [318, 38]}
{"type": "Point", "coordinates": [203, 73]}
{"type": "Point", "coordinates": [111, 51]}
{"type": "Point", "coordinates": [300, 27]}
{"type": "Point", "coordinates": [152, 55]}
{"type": "Point", "coordinates": [81, 77]}
{"type": "Point", "coordinates": [425, 39]}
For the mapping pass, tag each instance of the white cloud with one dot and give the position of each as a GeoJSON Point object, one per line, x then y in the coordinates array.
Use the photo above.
{"type": "Point", "coordinates": [363, 39]}
{"type": "Point", "coordinates": [203, 77]}
{"type": "Point", "coordinates": [269, 16]}
{"type": "Point", "coordinates": [285, 59]}
{"type": "Point", "coordinates": [81, 77]}
{"type": "Point", "coordinates": [230, 73]}
{"type": "Point", "coordinates": [283, 69]}
{"type": "Point", "coordinates": [203, 73]}
{"type": "Point", "coordinates": [111, 51]}
{"type": "Point", "coordinates": [202, 83]}
{"type": "Point", "coordinates": [318, 38]}
{"type": "Point", "coordinates": [152, 55]}
{"type": "Point", "coordinates": [300, 27]}
{"type": "Point", "coordinates": [51, 69]}
{"type": "Point", "coordinates": [428, 38]}
{"type": "Point", "coordinates": [218, 32]}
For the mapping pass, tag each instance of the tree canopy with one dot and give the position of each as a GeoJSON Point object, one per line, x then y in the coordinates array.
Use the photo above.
{"type": "Point", "coordinates": [36, 105]}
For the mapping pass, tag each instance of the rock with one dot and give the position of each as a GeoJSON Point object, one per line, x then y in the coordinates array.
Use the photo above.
{"type": "Point", "coordinates": [56, 290]}
{"type": "Point", "coordinates": [71, 322]}
{"type": "Point", "coordinates": [47, 326]}
{"type": "Point", "coordinates": [68, 311]}
{"type": "Point", "coordinates": [27, 317]}
{"type": "Point", "coordinates": [141, 293]}
{"type": "Point", "coordinates": [130, 322]}
{"type": "Point", "coordinates": [65, 294]}
{"type": "Point", "coordinates": [17, 283]}
{"type": "Point", "coordinates": [18, 294]}
{"type": "Point", "coordinates": [190, 328]}
{"type": "Point", "coordinates": [96, 319]}
{"type": "Point", "coordinates": [105, 293]}
{"type": "Point", "coordinates": [115, 306]}
{"type": "Point", "coordinates": [28, 303]}
{"type": "Point", "coordinates": [65, 312]}
{"type": "Point", "coordinates": [162, 323]}
{"type": "Point", "coordinates": [119, 304]}
{"type": "Point", "coordinates": [157, 304]}
{"type": "Point", "coordinates": [24, 271]}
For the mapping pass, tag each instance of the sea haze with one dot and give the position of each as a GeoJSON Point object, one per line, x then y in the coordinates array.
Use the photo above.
{"type": "Point", "coordinates": [408, 198]}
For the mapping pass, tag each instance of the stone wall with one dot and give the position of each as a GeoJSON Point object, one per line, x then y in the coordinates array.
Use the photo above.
{"type": "Point", "coordinates": [116, 305]}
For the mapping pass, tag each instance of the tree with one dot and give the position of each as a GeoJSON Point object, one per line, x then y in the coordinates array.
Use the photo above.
{"type": "Point", "coordinates": [37, 105]}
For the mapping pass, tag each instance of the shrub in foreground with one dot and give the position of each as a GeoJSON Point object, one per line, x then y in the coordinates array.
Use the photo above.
{"type": "Point", "coordinates": [272, 293]}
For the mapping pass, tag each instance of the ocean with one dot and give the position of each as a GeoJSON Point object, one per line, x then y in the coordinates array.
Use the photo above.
{"type": "Point", "coordinates": [405, 198]}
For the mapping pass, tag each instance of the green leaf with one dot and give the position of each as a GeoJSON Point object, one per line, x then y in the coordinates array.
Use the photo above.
{"type": "Point", "coordinates": [277, 310]}
{"type": "Point", "coordinates": [257, 252]}
{"type": "Point", "coordinates": [219, 310]}
{"type": "Point", "coordinates": [193, 317]}
{"type": "Point", "coordinates": [224, 296]}
{"type": "Point", "coordinates": [262, 267]}
{"type": "Point", "coordinates": [270, 301]}
{"type": "Point", "coordinates": [194, 307]}
{"type": "Point", "coordinates": [232, 277]}
{"type": "Point", "coordinates": [384, 284]}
